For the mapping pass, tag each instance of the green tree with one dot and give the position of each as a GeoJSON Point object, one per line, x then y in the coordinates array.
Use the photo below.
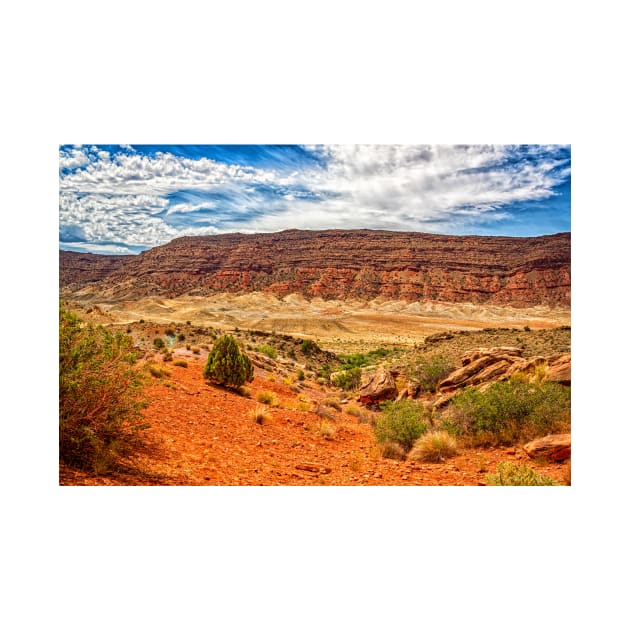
{"type": "Point", "coordinates": [227, 365]}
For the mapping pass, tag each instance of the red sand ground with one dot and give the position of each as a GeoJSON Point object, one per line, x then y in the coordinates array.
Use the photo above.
{"type": "Point", "coordinates": [200, 435]}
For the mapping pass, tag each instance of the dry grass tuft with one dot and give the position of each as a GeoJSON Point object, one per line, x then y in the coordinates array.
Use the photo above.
{"type": "Point", "coordinates": [326, 430]}
{"type": "Point", "coordinates": [433, 447]}
{"type": "Point", "coordinates": [391, 450]}
{"type": "Point", "coordinates": [323, 412]}
{"type": "Point", "coordinates": [157, 371]}
{"type": "Point", "coordinates": [334, 403]}
{"type": "Point", "coordinates": [267, 397]}
{"type": "Point", "coordinates": [260, 414]}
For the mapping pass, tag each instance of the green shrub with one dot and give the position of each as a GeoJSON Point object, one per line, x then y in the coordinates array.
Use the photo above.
{"type": "Point", "coordinates": [227, 365]}
{"type": "Point", "coordinates": [169, 332]}
{"type": "Point", "coordinates": [325, 371]}
{"type": "Point", "coordinates": [361, 360]}
{"type": "Point", "coordinates": [300, 375]}
{"type": "Point", "coordinates": [429, 371]}
{"type": "Point", "coordinates": [510, 411]}
{"type": "Point", "coordinates": [308, 346]}
{"type": "Point", "coordinates": [181, 337]}
{"type": "Point", "coordinates": [268, 350]}
{"type": "Point", "coordinates": [402, 422]}
{"type": "Point", "coordinates": [180, 363]}
{"type": "Point", "coordinates": [348, 379]}
{"type": "Point", "coordinates": [510, 474]}
{"type": "Point", "coordinates": [158, 342]}
{"type": "Point", "coordinates": [99, 394]}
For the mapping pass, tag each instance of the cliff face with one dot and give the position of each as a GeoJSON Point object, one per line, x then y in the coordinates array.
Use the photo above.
{"type": "Point", "coordinates": [77, 270]}
{"type": "Point", "coordinates": [338, 264]}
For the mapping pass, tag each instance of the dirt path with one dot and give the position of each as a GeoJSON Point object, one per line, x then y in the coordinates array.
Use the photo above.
{"type": "Point", "coordinates": [201, 435]}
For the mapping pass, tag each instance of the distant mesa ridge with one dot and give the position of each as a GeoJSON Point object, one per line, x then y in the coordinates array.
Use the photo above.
{"type": "Point", "coordinates": [335, 264]}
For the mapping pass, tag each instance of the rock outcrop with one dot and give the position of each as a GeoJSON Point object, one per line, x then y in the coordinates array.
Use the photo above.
{"type": "Point", "coordinates": [555, 448]}
{"type": "Point", "coordinates": [486, 365]}
{"type": "Point", "coordinates": [76, 270]}
{"type": "Point", "coordinates": [337, 264]}
{"type": "Point", "coordinates": [560, 369]}
{"type": "Point", "coordinates": [377, 387]}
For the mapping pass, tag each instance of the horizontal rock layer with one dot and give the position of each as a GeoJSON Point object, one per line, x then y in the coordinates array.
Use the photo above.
{"type": "Point", "coordinates": [337, 264]}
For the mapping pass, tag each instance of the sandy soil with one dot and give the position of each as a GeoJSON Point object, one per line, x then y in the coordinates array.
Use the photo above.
{"type": "Point", "coordinates": [335, 324]}
{"type": "Point", "coordinates": [201, 435]}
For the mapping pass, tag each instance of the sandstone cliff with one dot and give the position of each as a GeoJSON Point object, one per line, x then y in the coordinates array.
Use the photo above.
{"type": "Point", "coordinates": [335, 264]}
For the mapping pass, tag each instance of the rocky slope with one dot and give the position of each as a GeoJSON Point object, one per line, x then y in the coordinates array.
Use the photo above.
{"type": "Point", "coordinates": [335, 264]}
{"type": "Point", "coordinates": [77, 269]}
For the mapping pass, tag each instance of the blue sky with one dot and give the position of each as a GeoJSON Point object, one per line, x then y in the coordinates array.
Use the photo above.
{"type": "Point", "coordinates": [127, 198]}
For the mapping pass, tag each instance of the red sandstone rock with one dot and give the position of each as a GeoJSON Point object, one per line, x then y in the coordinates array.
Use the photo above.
{"type": "Point", "coordinates": [377, 387]}
{"type": "Point", "coordinates": [560, 370]}
{"type": "Point", "coordinates": [555, 448]}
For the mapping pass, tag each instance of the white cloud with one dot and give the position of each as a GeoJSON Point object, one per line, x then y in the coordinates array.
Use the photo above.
{"type": "Point", "coordinates": [132, 198]}
{"type": "Point", "coordinates": [98, 248]}
{"type": "Point", "coordinates": [72, 158]}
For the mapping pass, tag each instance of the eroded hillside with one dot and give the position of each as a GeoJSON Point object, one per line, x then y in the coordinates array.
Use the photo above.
{"type": "Point", "coordinates": [336, 264]}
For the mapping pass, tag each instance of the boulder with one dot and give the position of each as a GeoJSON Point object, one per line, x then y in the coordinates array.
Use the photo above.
{"type": "Point", "coordinates": [559, 370]}
{"type": "Point", "coordinates": [377, 387]}
{"type": "Point", "coordinates": [554, 448]}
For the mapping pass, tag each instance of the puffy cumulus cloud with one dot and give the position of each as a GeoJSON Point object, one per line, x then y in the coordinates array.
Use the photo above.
{"type": "Point", "coordinates": [142, 200]}
{"type": "Point", "coordinates": [72, 158]}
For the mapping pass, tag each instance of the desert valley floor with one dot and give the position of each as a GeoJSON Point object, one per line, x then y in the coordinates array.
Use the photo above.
{"type": "Point", "coordinates": [200, 434]}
